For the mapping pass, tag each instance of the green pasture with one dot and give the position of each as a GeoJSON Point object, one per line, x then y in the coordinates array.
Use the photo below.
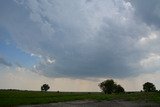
{"type": "Point", "coordinates": [15, 97]}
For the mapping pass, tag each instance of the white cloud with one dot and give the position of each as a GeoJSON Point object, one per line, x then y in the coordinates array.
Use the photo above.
{"type": "Point", "coordinates": [32, 54]}
{"type": "Point", "coordinates": [152, 61]}
{"type": "Point", "coordinates": [50, 61]}
{"type": "Point", "coordinates": [151, 37]}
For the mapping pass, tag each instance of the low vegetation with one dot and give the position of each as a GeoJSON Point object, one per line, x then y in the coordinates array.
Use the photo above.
{"type": "Point", "coordinates": [15, 97]}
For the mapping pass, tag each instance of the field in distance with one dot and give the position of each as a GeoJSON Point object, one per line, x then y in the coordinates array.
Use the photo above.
{"type": "Point", "coordinates": [16, 97]}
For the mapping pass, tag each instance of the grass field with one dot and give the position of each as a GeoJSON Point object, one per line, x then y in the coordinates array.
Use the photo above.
{"type": "Point", "coordinates": [15, 97]}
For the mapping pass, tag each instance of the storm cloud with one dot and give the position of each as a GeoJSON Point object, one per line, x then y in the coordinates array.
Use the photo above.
{"type": "Point", "coordinates": [93, 38]}
{"type": "Point", "coordinates": [148, 11]}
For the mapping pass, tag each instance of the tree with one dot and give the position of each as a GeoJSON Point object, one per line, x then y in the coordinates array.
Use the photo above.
{"type": "Point", "coordinates": [118, 89]}
{"type": "Point", "coordinates": [45, 87]}
{"type": "Point", "coordinates": [107, 86]}
{"type": "Point", "coordinates": [149, 87]}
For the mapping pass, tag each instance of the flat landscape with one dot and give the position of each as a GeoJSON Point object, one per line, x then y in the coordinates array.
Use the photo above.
{"type": "Point", "coordinates": [53, 99]}
{"type": "Point", "coordinates": [79, 53]}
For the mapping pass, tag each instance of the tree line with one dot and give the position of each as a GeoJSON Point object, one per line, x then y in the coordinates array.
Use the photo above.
{"type": "Point", "coordinates": [109, 87]}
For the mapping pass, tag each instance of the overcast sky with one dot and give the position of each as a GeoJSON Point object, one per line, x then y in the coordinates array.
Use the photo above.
{"type": "Point", "coordinates": [74, 44]}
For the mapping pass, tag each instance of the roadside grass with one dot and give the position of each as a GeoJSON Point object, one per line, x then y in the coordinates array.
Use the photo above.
{"type": "Point", "coordinates": [16, 97]}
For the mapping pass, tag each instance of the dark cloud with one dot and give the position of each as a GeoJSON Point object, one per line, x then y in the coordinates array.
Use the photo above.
{"type": "Point", "coordinates": [4, 62]}
{"type": "Point", "coordinates": [77, 39]}
{"type": "Point", "coordinates": [148, 11]}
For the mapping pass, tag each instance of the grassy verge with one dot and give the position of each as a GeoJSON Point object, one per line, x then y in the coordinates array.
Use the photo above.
{"type": "Point", "coordinates": [14, 97]}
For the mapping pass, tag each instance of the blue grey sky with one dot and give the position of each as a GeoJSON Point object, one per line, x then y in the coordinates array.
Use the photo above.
{"type": "Point", "coordinates": [80, 39]}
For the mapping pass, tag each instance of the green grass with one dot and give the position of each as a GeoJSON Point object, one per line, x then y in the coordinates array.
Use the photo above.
{"type": "Point", "coordinates": [15, 97]}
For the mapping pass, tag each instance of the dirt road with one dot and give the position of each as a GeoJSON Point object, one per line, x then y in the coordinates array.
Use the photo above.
{"type": "Point", "coordinates": [96, 104]}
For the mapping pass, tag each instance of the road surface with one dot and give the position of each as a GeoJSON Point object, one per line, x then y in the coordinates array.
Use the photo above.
{"type": "Point", "coordinates": [114, 103]}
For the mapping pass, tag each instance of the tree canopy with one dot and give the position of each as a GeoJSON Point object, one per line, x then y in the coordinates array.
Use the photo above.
{"type": "Point", "coordinates": [45, 87]}
{"type": "Point", "coordinates": [149, 87]}
{"type": "Point", "coordinates": [109, 86]}
{"type": "Point", "coordinates": [118, 89]}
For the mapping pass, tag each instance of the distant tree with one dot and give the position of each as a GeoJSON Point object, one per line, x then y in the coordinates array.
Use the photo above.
{"type": "Point", "coordinates": [118, 89]}
{"type": "Point", "coordinates": [45, 87]}
{"type": "Point", "coordinates": [149, 87]}
{"type": "Point", "coordinates": [107, 86]}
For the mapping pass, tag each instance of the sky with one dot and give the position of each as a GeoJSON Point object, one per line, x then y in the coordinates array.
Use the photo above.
{"type": "Point", "coordinates": [73, 45]}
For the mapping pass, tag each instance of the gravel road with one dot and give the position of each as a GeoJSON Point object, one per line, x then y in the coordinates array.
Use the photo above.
{"type": "Point", "coordinates": [96, 104]}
